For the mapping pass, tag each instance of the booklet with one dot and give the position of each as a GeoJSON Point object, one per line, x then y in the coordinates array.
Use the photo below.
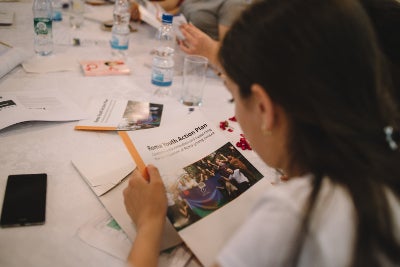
{"type": "Point", "coordinates": [104, 67]}
{"type": "Point", "coordinates": [211, 186]}
{"type": "Point", "coordinates": [45, 105]}
{"type": "Point", "coordinates": [123, 115]}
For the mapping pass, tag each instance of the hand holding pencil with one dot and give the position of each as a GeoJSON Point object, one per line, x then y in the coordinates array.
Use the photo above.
{"type": "Point", "coordinates": [146, 204]}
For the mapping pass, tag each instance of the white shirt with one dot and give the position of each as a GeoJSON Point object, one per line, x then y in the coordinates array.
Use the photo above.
{"type": "Point", "coordinates": [267, 236]}
{"type": "Point", "coordinates": [238, 176]}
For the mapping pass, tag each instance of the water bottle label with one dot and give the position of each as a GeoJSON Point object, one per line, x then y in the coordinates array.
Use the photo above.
{"type": "Point", "coordinates": [160, 83]}
{"type": "Point", "coordinates": [42, 26]}
{"type": "Point", "coordinates": [160, 78]}
{"type": "Point", "coordinates": [119, 43]}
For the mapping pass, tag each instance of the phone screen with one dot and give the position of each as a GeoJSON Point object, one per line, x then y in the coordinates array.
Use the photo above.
{"type": "Point", "coordinates": [24, 200]}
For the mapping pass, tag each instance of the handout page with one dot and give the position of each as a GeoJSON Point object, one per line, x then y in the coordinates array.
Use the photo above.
{"type": "Point", "coordinates": [210, 185]}
{"type": "Point", "coordinates": [151, 12]}
{"type": "Point", "coordinates": [104, 233]}
{"type": "Point", "coordinates": [45, 105]}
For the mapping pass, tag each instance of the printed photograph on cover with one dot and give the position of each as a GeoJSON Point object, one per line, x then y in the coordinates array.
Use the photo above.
{"type": "Point", "coordinates": [140, 115]}
{"type": "Point", "coordinates": [208, 184]}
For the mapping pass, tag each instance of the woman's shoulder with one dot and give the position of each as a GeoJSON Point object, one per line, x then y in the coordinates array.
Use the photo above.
{"type": "Point", "coordinates": [290, 193]}
{"type": "Point", "coordinates": [277, 216]}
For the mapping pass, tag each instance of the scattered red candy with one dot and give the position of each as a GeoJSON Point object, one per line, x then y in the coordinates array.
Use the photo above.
{"type": "Point", "coordinates": [243, 144]}
{"type": "Point", "coordinates": [223, 125]}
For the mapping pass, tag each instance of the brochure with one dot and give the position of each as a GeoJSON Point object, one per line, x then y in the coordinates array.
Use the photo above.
{"type": "Point", "coordinates": [211, 186]}
{"type": "Point", "coordinates": [46, 105]}
{"type": "Point", "coordinates": [122, 115]}
{"type": "Point", "coordinates": [104, 67]}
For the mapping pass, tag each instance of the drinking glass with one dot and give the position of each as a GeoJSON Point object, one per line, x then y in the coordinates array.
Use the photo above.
{"type": "Point", "coordinates": [76, 12]}
{"type": "Point", "coordinates": [194, 79]}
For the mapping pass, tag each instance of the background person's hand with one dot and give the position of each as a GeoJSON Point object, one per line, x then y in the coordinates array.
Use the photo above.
{"type": "Point", "coordinates": [197, 42]}
{"type": "Point", "coordinates": [135, 14]}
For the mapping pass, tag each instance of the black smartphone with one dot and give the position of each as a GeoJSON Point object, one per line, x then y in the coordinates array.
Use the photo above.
{"type": "Point", "coordinates": [24, 200]}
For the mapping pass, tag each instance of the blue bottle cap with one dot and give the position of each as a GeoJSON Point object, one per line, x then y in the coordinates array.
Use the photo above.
{"type": "Point", "coordinates": [57, 16]}
{"type": "Point", "coordinates": [166, 18]}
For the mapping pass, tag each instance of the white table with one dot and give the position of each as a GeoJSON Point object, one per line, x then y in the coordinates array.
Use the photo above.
{"type": "Point", "coordinates": [34, 147]}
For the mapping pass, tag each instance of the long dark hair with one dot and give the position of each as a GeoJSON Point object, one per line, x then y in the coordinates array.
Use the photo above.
{"type": "Point", "coordinates": [385, 18]}
{"type": "Point", "coordinates": [320, 61]}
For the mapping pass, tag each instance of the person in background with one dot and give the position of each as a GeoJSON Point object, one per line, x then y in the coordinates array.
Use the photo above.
{"type": "Point", "coordinates": [311, 96]}
{"type": "Point", "coordinates": [239, 179]}
{"type": "Point", "coordinates": [170, 6]}
{"type": "Point", "coordinates": [213, 17]}
{"type": "Point", "coordinates": [208, 23]}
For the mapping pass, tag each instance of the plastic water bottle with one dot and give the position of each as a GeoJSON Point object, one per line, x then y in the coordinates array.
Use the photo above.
{"type": "Point", "coordinates": [165, 35]}
{"type": "Point", "coordinates": [120, 29]}
{"type": "Point", "coordinates": [57, 8]}
{"type": "Point", "coordinates": [162, 70]}
{"type": "Point", "coordinates": [163, 61]}
{"type": "Point", "coordinates": [43, 26]}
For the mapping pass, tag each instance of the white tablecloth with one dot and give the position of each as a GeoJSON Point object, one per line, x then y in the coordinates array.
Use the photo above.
{"type": "Point", "coordinates": [33, 147]}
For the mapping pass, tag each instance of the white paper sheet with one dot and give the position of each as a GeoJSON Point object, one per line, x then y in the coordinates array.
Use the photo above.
{"type": "Point", "coordinates": [45, 105]}
{"type": "Point", "coordinates": [103, 232]}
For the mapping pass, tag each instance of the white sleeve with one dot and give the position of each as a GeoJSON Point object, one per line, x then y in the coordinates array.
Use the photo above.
{"type": "Point", "coordinates": [266, 237]}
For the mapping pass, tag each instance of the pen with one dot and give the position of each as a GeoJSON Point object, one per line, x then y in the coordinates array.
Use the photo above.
{"type": "Point", "coordinates": [135, 154]}
{"type": "Point", "coordinates": [5, 44]}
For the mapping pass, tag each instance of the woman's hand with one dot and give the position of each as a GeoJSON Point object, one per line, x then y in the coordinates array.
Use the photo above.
{"type": "Point", "coordinates": [197, 42]}
{"type": "Point", "coordinates": [146, 203]}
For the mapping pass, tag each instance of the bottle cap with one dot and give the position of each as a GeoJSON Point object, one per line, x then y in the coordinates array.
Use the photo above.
{"type": "Point", "coordinates": [166, 18]}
